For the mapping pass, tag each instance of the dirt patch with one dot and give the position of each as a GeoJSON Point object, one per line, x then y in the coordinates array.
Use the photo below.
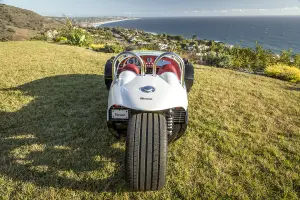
{"type": "Point", "coordinates": [24, 34]}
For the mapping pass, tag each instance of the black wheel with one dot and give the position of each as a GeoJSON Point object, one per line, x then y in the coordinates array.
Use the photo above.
{"type": "Point", "coordinates": [108, 82]}
{"type": "Point", "coordinates": [108, 73]}
{"type": "Point", "coordinates": [189, 75]}
{"type": "Point", "coordinates": [146, 152]}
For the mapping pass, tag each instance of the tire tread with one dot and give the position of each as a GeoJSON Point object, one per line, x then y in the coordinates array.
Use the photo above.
{"type": "Point", "coordinates": [146, 152]}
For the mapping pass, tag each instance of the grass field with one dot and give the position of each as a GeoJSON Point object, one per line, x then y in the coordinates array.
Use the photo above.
{"type": "Point", "coordinates": [243, 140]}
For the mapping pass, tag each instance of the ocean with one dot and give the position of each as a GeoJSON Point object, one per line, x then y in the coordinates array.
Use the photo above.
{"type": "Point", "coordinates": [274, 33]}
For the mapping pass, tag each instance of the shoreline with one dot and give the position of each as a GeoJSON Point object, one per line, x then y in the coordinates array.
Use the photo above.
{"type": "Point", "coordinates": [276, 40]}
{"type": "Point", "coordinates": [250, 42]}
{"type": "Point", "coordinates": [96, 24]}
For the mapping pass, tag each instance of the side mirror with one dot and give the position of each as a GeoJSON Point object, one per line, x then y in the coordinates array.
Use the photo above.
{"type": "Point", "coordinates": [186, 61]}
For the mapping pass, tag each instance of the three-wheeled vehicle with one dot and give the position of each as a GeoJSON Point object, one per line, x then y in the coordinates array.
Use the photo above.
{"type": "Point", "coordinates": [148, 104]}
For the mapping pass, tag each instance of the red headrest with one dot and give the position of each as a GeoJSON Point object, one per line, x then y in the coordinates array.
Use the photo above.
{"type": "Point", "coordinates": [131, 67]}
{"type": "Point", "coordinates": [168, 68]}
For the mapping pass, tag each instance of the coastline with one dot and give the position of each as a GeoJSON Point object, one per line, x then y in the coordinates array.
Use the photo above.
{"type": "Point", "coordinates": [277, 37]}
{"type": "Point", "coordinates": [96, 24]}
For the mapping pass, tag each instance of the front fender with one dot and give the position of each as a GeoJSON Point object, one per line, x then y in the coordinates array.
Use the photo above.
{"type": "Point", "coordinates": [165, 96]}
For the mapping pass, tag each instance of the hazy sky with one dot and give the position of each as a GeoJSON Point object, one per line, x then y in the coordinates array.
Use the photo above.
{"type": "Point", "coordinates": [154, 8]}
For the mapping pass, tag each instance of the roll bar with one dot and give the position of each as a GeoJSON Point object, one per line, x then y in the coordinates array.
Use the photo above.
{"type": "Point", "coordinates": [126, 55]}
{"type": "Point", "coordinates": [175, 57]}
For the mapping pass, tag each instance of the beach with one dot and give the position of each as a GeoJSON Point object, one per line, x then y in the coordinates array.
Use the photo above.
{"type": "Point", "coordinates": [96, 24]}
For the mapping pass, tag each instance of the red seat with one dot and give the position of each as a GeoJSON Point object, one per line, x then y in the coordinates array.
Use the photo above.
{"type": "Point", "coordinates": [169, 68]}
{"type": "Point", "coordinates": [131, 67]}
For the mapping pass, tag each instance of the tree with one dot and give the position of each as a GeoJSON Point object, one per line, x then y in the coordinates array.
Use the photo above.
{"type": "Point", "coordinates": [194, 37]}
{"type": "Point", "coordinates": [178, 37]}
{"type": "Point", "coordinates": [75, 36]}
{"type": "Point", "coordinates": [213, 46]}
{"type": "Point", "coordinates": [262, 58]}
{"type": "Point", "coordinates": [285, 57]}
{"type": "Point", "coordinates": [297, 60]}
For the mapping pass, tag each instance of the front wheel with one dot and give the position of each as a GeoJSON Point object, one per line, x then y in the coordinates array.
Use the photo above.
{"type": "Point", "coordinates": [146, 152]}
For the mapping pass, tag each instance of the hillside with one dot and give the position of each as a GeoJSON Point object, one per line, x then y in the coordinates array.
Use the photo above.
{"type": "Point", "coordinates": [242, 142]}
{"type": "Point", "coordinates": [18, 24]}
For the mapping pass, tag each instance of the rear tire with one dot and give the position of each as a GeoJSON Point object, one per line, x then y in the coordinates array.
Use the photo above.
{"type": "Point", "coordinates": [146, 152]}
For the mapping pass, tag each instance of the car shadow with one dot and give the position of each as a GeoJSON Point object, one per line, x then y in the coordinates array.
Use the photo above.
{"type": "Point", "coordinates": [60, 139]}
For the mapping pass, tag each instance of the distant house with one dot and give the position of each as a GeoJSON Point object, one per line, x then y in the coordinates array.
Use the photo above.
{"type": "Point", "coordinates": [142, 43]}
{"type": "Point", "coordinates": [229, 46]}
{"type": "Point", "coordinates": [201, 54]}
{"type": "Point", "coordinates": [219, 42]}
{"type": "Point", "coordinates": [191, 47]}
{"type": "Point", "coordinates": [162, 46]}
{"type": "Point", "coordinates": [132, 39]}
{"type": "Point", "coordinates": [276, 56]}
{"type": "Point", "coordinates": [117, 35]}
{"type": "Point", "coordinates": [203, 47]}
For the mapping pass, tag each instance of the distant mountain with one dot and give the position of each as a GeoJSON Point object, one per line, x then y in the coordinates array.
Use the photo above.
{"type": "Point", "coordinates": [20, 24]}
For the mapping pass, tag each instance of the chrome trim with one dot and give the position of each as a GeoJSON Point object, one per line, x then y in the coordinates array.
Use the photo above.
{"type": "Point", "coordinates": [126, 54]}
{"type": "Point", "coordinates": [175, 57]}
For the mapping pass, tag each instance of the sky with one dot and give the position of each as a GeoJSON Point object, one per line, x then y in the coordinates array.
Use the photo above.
{"type": "Point", "coordinates": [158, 8]}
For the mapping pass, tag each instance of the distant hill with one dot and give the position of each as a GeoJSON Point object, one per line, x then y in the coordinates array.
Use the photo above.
{"type": "Point", "coordinates": [20, 24]}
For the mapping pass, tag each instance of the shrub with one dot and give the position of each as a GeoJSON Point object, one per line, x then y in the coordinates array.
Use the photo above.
{"type": "Point", "coordinates": [297, 60]}
{"type": "Point", "coordinates": [11, 30]}
{"type": "Point", "coordinates": [75, 36]}
{"type": "Point", "coordinates": [113, 48]}
{"type": "Point", "coordinates": [218, 60]}
{"type": "Point", "coordinates": [163, 35]}
{"type": "Point", "coordinates": [178, 37]}
{"type": "Point", "coordinates": [61, 39]}
{"type": "Point", "coordinates": [41, 37]}
{"type": "Point", "coordinates": [175, 37]}
{"type": "Point", "coordinates": [283, 72]}
{"type": "Point", "coordinates": [148, 47]}
{"type": "Point", "coordinates": [184, 46]}
{"type": "Point", "coordinates": [97, 47]}
{"type": "Point", "coordinates": [255, 60]}
{"type": "Point", "coordinates": [262, 58]}
{"type": "Point", "coordinates": [285, 57]}
{"type": "Point", "coordinates": [242, 58]}
{"type": "Point", "coordinates": [78, 37]}
{"type": "Point", "coordinates": [225, 61]}
{"type": "Point", "coordinates": [5, 36]}
{"type": "Point", "coordinates": [131, 48]}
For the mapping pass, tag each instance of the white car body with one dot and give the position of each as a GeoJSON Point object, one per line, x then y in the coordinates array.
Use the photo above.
{"type": "Point", "coordinates": [127, 91]}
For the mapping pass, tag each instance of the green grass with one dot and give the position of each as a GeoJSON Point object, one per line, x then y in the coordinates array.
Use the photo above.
{"type": "Point", "coordinates": [243, 140]}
